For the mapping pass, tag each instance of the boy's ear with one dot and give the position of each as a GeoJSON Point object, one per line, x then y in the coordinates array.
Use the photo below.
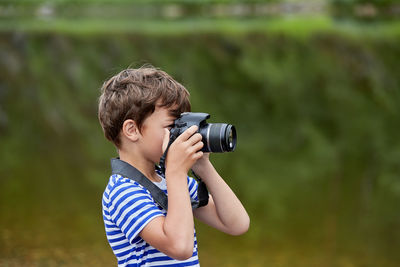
{"type": "Point", "coordinates": [130, 130]}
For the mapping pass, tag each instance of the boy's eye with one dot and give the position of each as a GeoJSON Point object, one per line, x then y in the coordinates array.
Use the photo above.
{"type": "Point", "coordinates": [169, 127]}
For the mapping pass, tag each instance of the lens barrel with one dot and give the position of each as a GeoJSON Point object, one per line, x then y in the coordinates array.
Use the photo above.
{"type": "Point", "coordinates": [218, 137]}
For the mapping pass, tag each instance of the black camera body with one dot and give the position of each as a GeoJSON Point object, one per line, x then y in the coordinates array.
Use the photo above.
{"type": "Point", "coordinates": [217, 137]}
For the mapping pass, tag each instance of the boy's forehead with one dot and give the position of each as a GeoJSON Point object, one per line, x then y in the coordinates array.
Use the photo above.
{"type": "Point", "coordinates": [172, 111]}
{"type": "Point", "coordinates": [169, 112]}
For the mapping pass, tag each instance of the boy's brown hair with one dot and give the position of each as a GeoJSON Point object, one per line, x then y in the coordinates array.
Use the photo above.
{"type": "Point", "coordinates": [134, 94]}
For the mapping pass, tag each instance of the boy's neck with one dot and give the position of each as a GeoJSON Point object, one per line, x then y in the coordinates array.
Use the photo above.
{"type": "Point", "coordinates": [145, 167]}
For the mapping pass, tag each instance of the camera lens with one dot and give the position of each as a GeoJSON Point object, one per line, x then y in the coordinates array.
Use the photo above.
{"type": "Point", "coordinates": [230, 134]}
{"type": "Point", "coordinates": [218, 137]}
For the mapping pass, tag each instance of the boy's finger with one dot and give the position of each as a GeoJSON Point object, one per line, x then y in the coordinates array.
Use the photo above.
{"type": "Point", "coordinates": [198, 146]}
{"type": "Point", "coordinates": [165, 140]}
{"type": "Point", "coordinates": [195, 138]}
{"type": "Point", "coordinates": [198, 155]}
{"type": "Point", "coordinates": [188, 133]}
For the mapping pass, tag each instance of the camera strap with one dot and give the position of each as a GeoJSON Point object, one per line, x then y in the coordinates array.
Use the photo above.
{"type": "Point", "coordinates": [128, 171]}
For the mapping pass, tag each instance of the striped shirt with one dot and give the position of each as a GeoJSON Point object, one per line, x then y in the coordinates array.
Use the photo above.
{"type": "Point", "coordinates": [127, 208]}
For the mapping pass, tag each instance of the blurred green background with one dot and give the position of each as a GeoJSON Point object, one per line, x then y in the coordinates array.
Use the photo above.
{"type": "Point", "coordinates": [313, 88]}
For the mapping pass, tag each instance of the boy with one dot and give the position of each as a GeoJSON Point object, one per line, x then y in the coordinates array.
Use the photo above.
{"type": "Point", "coordinates": [137, 108]}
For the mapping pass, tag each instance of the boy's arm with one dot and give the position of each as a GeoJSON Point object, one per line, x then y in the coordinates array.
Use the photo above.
{"type": "Point", "coordinates": [174, 233]}
{"type": "Point", "coordinates": [224, 211]}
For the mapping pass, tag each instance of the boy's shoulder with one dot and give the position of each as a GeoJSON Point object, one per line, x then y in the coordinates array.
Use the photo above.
{"type": "Point", "coordinates": [118, 184]}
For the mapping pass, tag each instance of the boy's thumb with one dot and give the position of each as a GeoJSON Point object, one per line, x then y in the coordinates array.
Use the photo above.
{"type": "Point", "coordinates": [165, 140]}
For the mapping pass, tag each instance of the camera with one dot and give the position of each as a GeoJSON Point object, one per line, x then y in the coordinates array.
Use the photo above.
{"type": "Point", "coordinates": [217, 137]}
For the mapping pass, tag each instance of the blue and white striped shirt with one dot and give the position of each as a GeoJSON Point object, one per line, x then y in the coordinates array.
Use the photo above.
{"type": "Point", "coordinates": [127, 208]}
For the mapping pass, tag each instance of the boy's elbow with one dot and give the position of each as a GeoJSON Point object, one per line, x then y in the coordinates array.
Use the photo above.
{"type": "Point", "coordinates": [240, 231]}
{"type": "Point", "coordinates": [181, 251]}
{"type": "Point", "coordinates": [183, 255]}
{"type": "Point", "coordinates": [241, 227]}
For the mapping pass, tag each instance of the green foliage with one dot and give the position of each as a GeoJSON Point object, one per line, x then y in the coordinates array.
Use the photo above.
{"type": "Point", "coordinates": [366, 10]}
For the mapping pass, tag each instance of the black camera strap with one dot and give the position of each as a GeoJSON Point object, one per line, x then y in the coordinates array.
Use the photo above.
{"type": "Point", "coordinates": [202, 192]}
{"type": "Point", "coordinates": [128, 171]}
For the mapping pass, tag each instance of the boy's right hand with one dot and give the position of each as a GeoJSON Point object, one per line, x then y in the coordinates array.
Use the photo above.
{"type": "Point", "coordinates": [184, 151]}
{"type": "Point", "coordinates": [173, 234]}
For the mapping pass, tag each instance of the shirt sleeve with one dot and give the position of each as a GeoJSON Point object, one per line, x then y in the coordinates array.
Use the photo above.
{"type": "Point", "coordinates": [132, 208]}
{"type": "Point", "coordinates": [193, 186]}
